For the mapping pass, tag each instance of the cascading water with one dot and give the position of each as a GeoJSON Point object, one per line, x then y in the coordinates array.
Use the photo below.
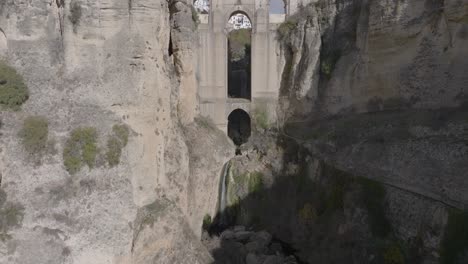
{"type": "Point", "coordinates": [222, 192]}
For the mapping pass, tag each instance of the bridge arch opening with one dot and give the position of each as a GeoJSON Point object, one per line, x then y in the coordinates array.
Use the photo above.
{"type": "Point", "coordinates": [239, 126]}
{"type": "Point", "coordinates": [202, 6]}
{"type": "Point", "coordinates": [239, 40]}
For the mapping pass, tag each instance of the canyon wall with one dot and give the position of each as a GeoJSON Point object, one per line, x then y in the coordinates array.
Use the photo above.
{"type": "Point", "coordinates": [374, 108]}
{"type": "Point", "coordinates": [97, 64]}
{"type": "Point", "coordinates": [360, 56]}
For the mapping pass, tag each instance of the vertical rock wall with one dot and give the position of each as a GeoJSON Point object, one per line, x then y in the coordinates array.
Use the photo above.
{"type": "Point", "coordinates": [99, 63]}
{"type": "Point", "coordinates": [395, 53]}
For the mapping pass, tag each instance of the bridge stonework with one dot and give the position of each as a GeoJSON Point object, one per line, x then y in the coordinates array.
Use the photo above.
{"type": "Point", "coordinates": [213, 60]}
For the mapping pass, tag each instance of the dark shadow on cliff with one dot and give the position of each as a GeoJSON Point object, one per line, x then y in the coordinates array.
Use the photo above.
{"type": "Point", "coordinates": [325, 215]}
{"type": "Point", "coordinates": [318, 214]}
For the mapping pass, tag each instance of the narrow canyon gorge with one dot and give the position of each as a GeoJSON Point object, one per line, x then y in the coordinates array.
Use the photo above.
{"type": "Point", "coordinates": [233, 131]}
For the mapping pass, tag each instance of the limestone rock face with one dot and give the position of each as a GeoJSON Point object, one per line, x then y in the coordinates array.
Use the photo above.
{"type": "Point", "coordinates": [100, 63]}
{"type": "Point", "coordinates": [377, 89]}
{"type": "Point", "coordinates": [162, 236]}
{"type": "Point", "coordinates": [344, 56]}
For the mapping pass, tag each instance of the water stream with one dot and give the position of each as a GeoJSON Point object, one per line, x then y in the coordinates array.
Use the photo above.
{"type": "Point", "coordinates": [222, 192]}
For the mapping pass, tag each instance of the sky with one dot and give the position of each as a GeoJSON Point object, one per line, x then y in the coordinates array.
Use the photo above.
{"type": "Point", "coordinates": [276, 7]}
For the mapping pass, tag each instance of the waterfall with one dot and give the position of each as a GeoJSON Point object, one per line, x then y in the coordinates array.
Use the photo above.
{"type": "Point", "coordinates": [222, 191]}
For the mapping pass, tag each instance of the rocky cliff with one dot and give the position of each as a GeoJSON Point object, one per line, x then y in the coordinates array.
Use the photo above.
{"type": "Point", "coordinates": [361, 56]}
{"type": "Point", "coordinates": [104, 159]}
{"type": "Point", "coordinates": [370, 163]}
{"type": "Point", "coordinates": [96, 64]}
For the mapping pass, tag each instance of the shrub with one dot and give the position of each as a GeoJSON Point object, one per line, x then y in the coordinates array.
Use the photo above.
{"type": "Point", "coordinates": [455, 240]}
{"type": "Point", "coordinates": [13, 91]}
{"type": "Point", "coordinates": [261, 118]}
{"type": "Point", "coordinates": [205, 122]}
{"type": "Point", "coordinates": [34, 134]}
{"type": "Point", "coordinates": [80, 149]}
{"type": "Point", "coordinates": [373, 198]}
{"type": "Point", "coordinates": [336, 196]}
{"type": "Point", "coordinates": [114, 151]}
{"type": "Point", "coordinates": [11, 215]}
{"type": "Point", "coordinates": [393, 255]}
{"type": "Point", "coordinates": [307, 213]}
{"type": "Point", "coordinates": [284, 30]}
{"type": "Point", "coordinates": [122, 132]}
{"type": "Point", "coordinates": [195, 18]}
{"type": "Point", "coordinates": [328, 62]}
{"type": "Point", "coordinates": [75, 14]}
{"type": "Point", "coordinates": [206, 222]}
{"type": "Point", "coordinates": [115, 144]}
{"type": "Point", "coordinates": [255, 182]}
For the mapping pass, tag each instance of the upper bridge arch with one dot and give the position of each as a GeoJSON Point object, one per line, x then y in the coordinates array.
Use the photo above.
{"type": "Point", "coordinates": [228, 13]}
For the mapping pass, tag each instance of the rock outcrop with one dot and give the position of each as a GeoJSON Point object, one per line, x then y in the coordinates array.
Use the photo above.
{"type": "Point", "coordinates": [238, 245]}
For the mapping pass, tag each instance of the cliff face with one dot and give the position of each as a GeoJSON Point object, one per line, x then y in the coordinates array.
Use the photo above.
{"type": "Point", "coordinates": [403, 62]}
{"type": "Point", "coordinates": [377, 89]}
{"type": "Point", "coordinates": [96, 64]}
{"type": "Point", "coordinates": [360, 56]}
{"type": "Point", "coordinates": [371, 161]}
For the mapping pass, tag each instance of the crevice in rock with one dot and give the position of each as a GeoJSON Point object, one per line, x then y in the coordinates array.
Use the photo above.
{"type": "Point", "coordinates": [130, 5]}
{"type": "Point", "coordinates": [170, 50]}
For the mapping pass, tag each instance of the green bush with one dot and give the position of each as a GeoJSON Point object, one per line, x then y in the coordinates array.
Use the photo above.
{"type": "Point", "coordinates": [206, 222]}
{"type": "Point", "coordinates": [122, 132]}
{"type": "Point", "coordinates": [373, 198]}
{"type": "Point", "coordinates": [11, 215]}
{"type": "Point", "coordinates": [115, 144]}
{"type": "Point", "coordinates": [114, 151]}
{"type": "Point", "coordinates": [336, 196]}
{"type": "Point", "coordinates": [206, 122]}
{"type": "Point", "coordinates": [195, 18]}
{"type": "Point", "coordinates": [75, 14]}
{"type": "Point", "coordinates": [393, 255]}
{"type": "Point", "coordinates": [255, 182]}
{"type": "Point", "coordinates": [328, 62]}
{"type": "Point", "coordinates": [455, 240]}
{"type": "Point", "coordinates": [34, 134]}
{"type": "Point", "coordinates": [284, 30]}
{"type": "Point", "coordinates": [80, 149]}
{"type": "Point", "coordinates": [261, 117]}
{"type": "Point", "coordinates": [13, 91]}
{"type": "Point", "coordinates": [307, 213]}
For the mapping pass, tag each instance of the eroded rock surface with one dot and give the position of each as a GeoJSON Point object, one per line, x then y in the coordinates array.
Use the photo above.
{"type": "Point", "coordinates": [96, 64]}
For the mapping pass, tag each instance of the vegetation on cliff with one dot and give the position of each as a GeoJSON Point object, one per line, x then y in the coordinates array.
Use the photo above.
{"type": "Point", "coordinates": [13, 90]}
{"type": "Point", "coordinates": [34, 134]}
{"type": "Point", "coordinates": [80, 149]}
{"type": "Point", "coordinates": [454, 244]}
{"type": "Point", "coordinates": [115, 143]}
{"type": "Point", "coordinates": [11, 216]}
{"type": "Point", "coordinates": [75, 14]}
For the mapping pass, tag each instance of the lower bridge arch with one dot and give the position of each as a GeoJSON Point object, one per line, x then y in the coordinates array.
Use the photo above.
{"type": "Point", "coordinates": [239, 126]}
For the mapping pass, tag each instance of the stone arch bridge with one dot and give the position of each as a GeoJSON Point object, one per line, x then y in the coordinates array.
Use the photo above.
{"type": "Point", "coordinates": [216, 101]}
